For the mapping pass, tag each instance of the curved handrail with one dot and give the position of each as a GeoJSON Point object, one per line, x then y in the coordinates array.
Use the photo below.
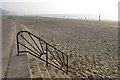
{"type": "Point", "coordinates": [64, 62]}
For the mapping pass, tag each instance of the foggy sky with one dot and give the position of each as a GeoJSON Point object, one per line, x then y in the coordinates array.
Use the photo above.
{"type": "Point", "coordinates": [109, 7]}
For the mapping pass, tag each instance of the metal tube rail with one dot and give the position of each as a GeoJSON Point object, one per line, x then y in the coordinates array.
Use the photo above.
{"type": "Point", "coordinates": [63, 62]}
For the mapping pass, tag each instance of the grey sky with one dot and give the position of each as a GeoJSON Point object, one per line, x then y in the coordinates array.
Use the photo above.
{"type": "Point", "coordinates": [30, 7]}
{"type": "Point", "coordinates": [109, 7]}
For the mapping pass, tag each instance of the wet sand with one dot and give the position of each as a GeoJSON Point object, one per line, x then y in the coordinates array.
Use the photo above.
{"type": "Point", "coordinates": [91, 45]}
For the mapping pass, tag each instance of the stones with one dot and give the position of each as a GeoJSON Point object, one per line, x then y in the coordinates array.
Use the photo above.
{"type": "Point", "coordinates": [91, 76]}
{"type": "Point", "coordinates": [43, 69]}
{"type": "Point", "coordinates": [115, 71]}
{"type": "Point", "coordinates": [84, 75]}
{"type": "Point", "coordinates": [31, 67]}
{"type": "Point", "coordinates": [95, 72]}
{"type": "Point", "coordinates": [33, 72]}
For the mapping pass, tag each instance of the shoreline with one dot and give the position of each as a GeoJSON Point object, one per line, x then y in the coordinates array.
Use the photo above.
{"type": "Point", "coordinates": [102, 20]}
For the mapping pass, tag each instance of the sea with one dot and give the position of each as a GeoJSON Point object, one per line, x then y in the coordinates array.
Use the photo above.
{"type": "Point", "coordinates": [82, 16]}
{"type": "Point", "coordinates": [79, 16]}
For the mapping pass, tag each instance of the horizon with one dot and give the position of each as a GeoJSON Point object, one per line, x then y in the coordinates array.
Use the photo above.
{"type": "Point", "coordinates": [66, 16]}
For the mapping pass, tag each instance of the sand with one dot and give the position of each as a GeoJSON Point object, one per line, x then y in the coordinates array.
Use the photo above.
{"type": "Point", "coordinates": [8, 35]}
{"type": "Point", "coordinates": [92, 46]}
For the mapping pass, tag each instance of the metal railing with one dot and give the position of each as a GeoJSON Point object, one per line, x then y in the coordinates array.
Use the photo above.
{"type": "Point", "coordinates": [38, 47]}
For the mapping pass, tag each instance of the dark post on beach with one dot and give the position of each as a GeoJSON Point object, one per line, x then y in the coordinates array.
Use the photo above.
{"type": "Point", "coordinates": [99, 17]}
{"type": "Point", "coordinates": [36, 15]}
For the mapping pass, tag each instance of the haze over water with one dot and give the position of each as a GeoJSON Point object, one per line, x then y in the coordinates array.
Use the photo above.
{"type": "Point", "coordinates": [80, 16]}
{"type": "Point", "coordinates": [75, 9]}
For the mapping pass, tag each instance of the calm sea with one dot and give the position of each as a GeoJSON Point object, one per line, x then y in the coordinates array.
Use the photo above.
{"type": "Point", "coordinates": [81, 16]}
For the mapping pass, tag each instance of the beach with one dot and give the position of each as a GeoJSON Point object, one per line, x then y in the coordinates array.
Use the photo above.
{"type": "Point", "coordinates": [91, 45]}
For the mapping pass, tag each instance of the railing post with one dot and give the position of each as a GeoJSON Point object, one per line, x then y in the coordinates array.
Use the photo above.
{"type": "Point", "coordinates": [17, 44]}
{"type": "Point", "coordinates": [46, 55]}
{"type": "Point", "coordinates": [67, 66]}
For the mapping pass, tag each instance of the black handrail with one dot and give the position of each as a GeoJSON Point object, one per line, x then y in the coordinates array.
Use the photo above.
{"type": "Point", "coordinates": [60, 58]}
